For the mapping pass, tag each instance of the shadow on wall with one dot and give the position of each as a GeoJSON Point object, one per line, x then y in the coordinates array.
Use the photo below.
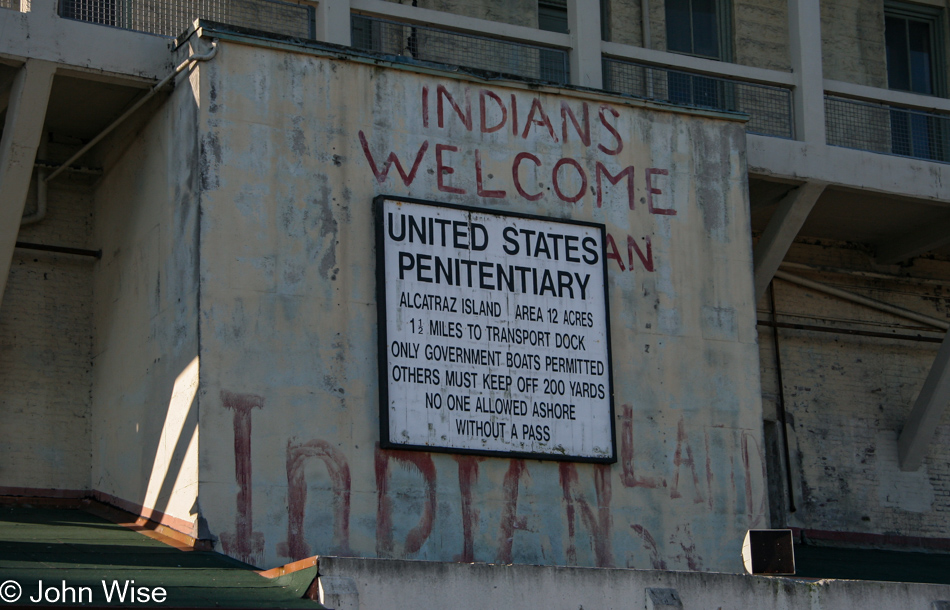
{"type": "Point", "coordinates": [175, 464]}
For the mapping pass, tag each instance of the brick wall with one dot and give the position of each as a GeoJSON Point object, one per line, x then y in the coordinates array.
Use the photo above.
{"type": "Point", "coordinates": [847, 396]}
{"type": "Point", "coordinates": [45, 342]}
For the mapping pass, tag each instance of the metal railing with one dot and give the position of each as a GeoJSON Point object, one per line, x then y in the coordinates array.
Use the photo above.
{"type": "Point", "coordinates": [429, 44]}
{"type": "Point", "coordinates": [769, 107]}
{"type": "Point", "coordinates": [888, 129]}
{"type": "Point", "coordinates": [172, 17]}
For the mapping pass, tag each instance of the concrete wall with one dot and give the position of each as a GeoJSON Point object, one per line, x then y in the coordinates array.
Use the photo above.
{"type": "Point", "coordinates": [852, 42]}
{"type": "Point", "coordinates": [361, 584]}
{"type": "Point", "coordinates": [761, 34]}
{"type": "Point", "coordinates": [289, 459]}
{"type": "Point", "coordinates": [145, 367]}
{"type": "Point", "coordinates": [625, 24]}
{"type": "Point", "coordinates": [45, 341]}
{"type": "Point", "coordinates": [847, 398]}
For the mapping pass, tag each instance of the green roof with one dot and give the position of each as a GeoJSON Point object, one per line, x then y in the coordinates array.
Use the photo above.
{"type": "Point", "coordinates": [55, 545]}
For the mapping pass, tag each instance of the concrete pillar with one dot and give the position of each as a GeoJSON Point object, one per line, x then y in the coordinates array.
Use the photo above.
{"type": "Point", "coordinates": [928, 410]}
{"type": "Point", "coordinates": [21, 137]}
{"type": "Point", "coordinates": [781, 231]}
{"type": "Point", "coordinates": [333, 21]}
{"type": "Point", "coordinates": [583, 19]}
{"type": "Point", "coordinates": [804, 33]}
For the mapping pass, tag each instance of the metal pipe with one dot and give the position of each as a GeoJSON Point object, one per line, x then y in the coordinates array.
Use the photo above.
{"type": "Point", "coordinates": [849, 331]}
{"type": "Point", "coordinates": [59, 249]}
{"type": "Point", "coordinates": [90, 171]}
{"type": "Point", "coordinates": [151, 92]}
{"type": "Point", "coordinates": [872, 303]}
{"type": "Point", "coordinates": [781, 403]}
{"type": "Point", "coordinates": [868, 274]}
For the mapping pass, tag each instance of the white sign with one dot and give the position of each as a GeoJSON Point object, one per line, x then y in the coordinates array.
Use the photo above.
{"type": "Point", "coordinates": [493, 333]}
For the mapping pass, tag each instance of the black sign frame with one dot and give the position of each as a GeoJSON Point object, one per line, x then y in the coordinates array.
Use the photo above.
{"type": "Point", "coordinates": [383, 342]}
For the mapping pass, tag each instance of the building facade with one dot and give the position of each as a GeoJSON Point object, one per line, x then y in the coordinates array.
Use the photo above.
{"type": "Point", "coordinates": [200, 345]}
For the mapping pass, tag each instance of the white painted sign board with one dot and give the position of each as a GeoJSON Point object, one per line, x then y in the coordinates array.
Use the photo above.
{"type": "Point", "coordinates": [493, 333]}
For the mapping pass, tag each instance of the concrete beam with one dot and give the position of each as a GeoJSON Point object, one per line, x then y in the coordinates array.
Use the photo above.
{"type": "Point", "coordinates": [858, 169]}
{"type": "Point", "coordinates": [474, 586]}
{"type": "Point", "coordinates": [460, 23]}
{"type": "Point", "coordinates": [781, 231]}
{"type": "Point", "coordinates": [333, 21]}
{"type": "Point", "coordinates": [713, 67]}
{"type": "Point", "coordinates": [42, 34]}
{"type": "Point", "coordinates": [922, 240]}
{"type": "Point", "coordinates": [583, 19]}
{"type": "Point", "coordinates": [22, 132]}
{"type": "Point", "coordinates": [804, 35]}
{"type": "Point", "coordinates": [928, 410]}
{"type": "Point", "coordinates": [928, 103]}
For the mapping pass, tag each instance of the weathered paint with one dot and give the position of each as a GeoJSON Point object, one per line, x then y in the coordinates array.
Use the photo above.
{"type": "Point", "coordinates": [288, 314]}
{"type": "Point", "coordinates": [244, 542]}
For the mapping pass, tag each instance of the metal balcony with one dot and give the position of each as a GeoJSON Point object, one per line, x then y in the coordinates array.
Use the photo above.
{"type": "Point", "coordinates": [887, 128]}
{"type": "Point", "coordinates": [443, 46]}
{"type": "Point", "coordinates": [769, 107]}
{"type": "Point", "coordinates": [172, 17]}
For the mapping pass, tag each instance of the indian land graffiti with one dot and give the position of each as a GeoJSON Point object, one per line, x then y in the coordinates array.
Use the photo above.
{"type": "Point", "coordinates": [588, 493]}
{"type": "Point", "coordinates": [595, 176]}
{"type": "Point", "coordinates": [244, 542]}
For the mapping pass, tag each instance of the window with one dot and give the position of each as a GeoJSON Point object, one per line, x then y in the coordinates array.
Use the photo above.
{"type": "Point", "coordinates": [911, 37]}
{"type": "Point", "coordinates": [700, 28]}
{"type": "Point", "coordinates": [552, 17]}
{"type": "Point", "coordinates": [696, 27]}
{"type": "Point", "coordinates": [913, 40]}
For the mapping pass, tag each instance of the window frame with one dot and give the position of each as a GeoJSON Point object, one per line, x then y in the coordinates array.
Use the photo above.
{"type": "Point", "coordinates": [724, 31]}
{"type": "Point", "coordinates": [553, 9]}
{"type": "Point", "coordinates": [935, 16]}
{"type": "Point", "coordinates": [553, 67]}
